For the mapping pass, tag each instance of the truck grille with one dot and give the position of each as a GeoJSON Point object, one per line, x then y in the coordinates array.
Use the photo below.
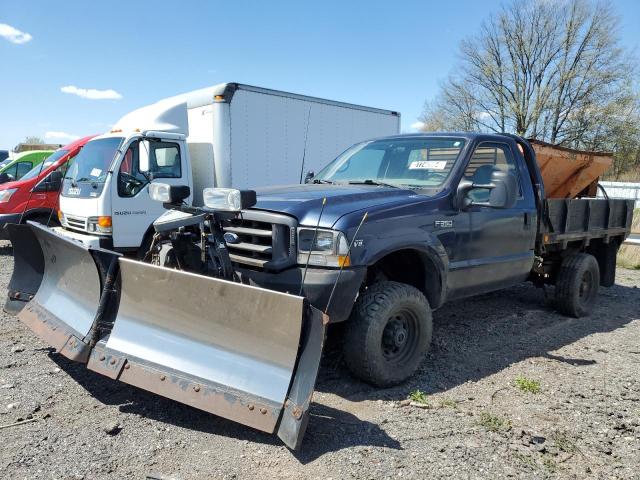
{"type": "Point", "coordinates": [76, 223]}
{"type": "Point", "coordinates": [265, 241]}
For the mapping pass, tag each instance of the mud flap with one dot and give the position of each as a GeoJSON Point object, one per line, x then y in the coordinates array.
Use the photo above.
{"type": "Point", "coordinates": [63, 310]}
{"type": "Point", "coordinates": [223, 347]}
{"type": "Point", "coordinates": [28, 267]}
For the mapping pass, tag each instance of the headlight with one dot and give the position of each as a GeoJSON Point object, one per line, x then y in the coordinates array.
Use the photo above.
{"type": "Point", "coordinates": [330, 248]}
{"type": "Point", "coordinates": [5, 195]}
{"type": "Point", "coordinates": [62, 219]}
{"type": "Point", "coordinates": [160, 192]}
{"type": "Point", "coordinates": [227, 199]}
{"type": "Point", "coordinates": [99, 225]}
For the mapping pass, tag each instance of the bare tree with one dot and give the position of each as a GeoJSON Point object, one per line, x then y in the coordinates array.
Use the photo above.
{"type": "Point", "coordinates": [32, 140]}
{"type": "Point", "coordinates": [549, 70]}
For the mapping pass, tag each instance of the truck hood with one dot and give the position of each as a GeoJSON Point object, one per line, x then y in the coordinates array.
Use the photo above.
{"type": "Point", "coordinates": [305, 201]}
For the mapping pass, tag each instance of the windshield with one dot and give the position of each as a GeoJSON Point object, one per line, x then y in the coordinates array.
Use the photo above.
{"type": "Point", "coordinates": [88, 170]}
{"type": "Point", "coordinates": [4, 163]}
{"type": "Point", "coordinates": [406, 162]}
{"type": "Point", "coordinates": [53, 158]}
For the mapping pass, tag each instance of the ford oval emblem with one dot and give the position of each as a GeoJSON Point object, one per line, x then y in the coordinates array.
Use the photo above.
{"type": "Point", "coordinates": [231, 238]}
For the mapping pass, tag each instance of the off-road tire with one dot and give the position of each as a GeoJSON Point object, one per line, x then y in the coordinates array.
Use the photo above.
{"type": "Point", "coordinates": [577, 285]}
{"type": "Point", "coordinates": [375, 331]}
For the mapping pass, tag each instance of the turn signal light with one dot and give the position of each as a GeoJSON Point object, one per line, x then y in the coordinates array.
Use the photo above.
{"type": "Point", "coordinates": [104, 221]}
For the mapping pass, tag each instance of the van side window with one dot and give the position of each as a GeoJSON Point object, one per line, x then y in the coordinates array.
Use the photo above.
{"type": "Point", "coordinates": [164, 160]}
{"type": "Point", "coordinates": [130, 179]}
{"type": "Point", "coordinates": [22, 169]}
{"type": "Point", "coordinates": [485, 158]}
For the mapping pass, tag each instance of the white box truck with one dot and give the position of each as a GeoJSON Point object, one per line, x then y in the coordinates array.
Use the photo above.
{"type": "Point", "coordinates": [228, 135]}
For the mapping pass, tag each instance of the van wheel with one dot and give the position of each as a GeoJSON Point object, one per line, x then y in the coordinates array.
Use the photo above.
{"type": "Point", "coordinates": [388, 334]}
{"type": "Point", "coordinates": [577, 285]}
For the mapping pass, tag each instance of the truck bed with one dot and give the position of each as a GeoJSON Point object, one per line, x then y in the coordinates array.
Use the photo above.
{"type": "Point", "coordinates": [581, 220]}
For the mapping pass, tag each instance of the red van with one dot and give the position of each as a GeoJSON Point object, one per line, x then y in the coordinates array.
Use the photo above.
{"type": "Point", "coordinates": [35, 195]}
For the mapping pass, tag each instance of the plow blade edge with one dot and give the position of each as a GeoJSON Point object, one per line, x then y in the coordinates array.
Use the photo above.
{"type": "Point", "coordinates": [28, 267]}
{"type": "Point", "coordinates": [63, 310]}
{"type": "Point", "coordinates": [223, 347]}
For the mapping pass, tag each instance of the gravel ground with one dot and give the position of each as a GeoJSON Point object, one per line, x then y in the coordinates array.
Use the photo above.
{"type": "Point", "coordinates": [476, 423]}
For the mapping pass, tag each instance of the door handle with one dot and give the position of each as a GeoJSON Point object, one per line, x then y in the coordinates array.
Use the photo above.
{"type": "Point", "coordinates": [527, 219]}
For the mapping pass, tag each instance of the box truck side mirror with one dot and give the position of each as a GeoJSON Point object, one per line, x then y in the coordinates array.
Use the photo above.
{"type": "Point", "coordinates": [143, 159]}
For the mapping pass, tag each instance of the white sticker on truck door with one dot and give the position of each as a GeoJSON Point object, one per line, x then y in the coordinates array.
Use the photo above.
{"type": "Point", "coordinates": [428, 165]}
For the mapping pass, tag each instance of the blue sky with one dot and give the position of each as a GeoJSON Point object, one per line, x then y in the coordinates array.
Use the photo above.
{"type": "Point", "coordinates": [382, 54]}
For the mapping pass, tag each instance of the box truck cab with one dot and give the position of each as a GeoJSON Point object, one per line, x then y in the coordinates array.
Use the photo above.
{"type": "Point", "coordinates": [222, 136]}
{"type": "Point", "coordinates": [35, 195]}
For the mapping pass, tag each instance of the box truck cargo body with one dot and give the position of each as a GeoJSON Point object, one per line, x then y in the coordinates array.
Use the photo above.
{"type": "Point", "coordinates": [228, 135]}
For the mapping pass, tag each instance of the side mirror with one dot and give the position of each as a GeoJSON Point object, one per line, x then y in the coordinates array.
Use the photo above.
{"type": "Point", "coordinates": [55, 181]}
{"type": "Point", "coordinates": [503, 188]}
{"type": "Point", "coordinates": [5, 177]}
{"type": "Point", "coordinates": [143, 156]}
{"type": "Point", "coordinates": [50, 183]}
{"type": "Point", "coordinates": [309, 175]}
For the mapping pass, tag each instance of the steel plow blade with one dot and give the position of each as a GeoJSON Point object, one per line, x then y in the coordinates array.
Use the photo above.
{"type": "Point", "coordinates": [28, 267]}
{"type": "Point", "coordinates": [223, 347]}
{"type": "Point", "coordinates": [63, 310]}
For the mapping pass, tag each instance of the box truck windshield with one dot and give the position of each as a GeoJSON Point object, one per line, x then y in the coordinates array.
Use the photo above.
{"type": "Point", "coordinates": [88, 170]}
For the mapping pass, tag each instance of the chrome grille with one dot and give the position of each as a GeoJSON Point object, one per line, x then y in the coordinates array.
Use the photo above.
{"type": "Point", "coordinates": [265, 241]}
{"type": "Point", "coordinates": [76, 223]}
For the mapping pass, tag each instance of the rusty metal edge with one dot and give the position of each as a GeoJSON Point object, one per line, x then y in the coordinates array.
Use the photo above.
{"type": "Point", "coordinates": [295, 416]}
{"type": "Point", "coordinates": [67, 341]}
{"type": "Point", "coordinates": [242, 408]}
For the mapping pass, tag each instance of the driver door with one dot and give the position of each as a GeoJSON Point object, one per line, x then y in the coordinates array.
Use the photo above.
{"type": "Point", "coordinates": [133, 211]}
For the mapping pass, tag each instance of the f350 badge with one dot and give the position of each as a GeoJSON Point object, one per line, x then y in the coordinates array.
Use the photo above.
{"type": "Point", "coordinates": [443, 223]}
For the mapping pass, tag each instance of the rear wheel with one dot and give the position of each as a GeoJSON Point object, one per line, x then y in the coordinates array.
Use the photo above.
{"type": "Point", "coordinates": [388, 334]}
{"type": "Point", "coordinates": [577, 285]}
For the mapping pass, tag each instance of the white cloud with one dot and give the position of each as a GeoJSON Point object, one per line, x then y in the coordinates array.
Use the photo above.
{"type": "Point", "coordinates": [417, 125]}
{"type": "Point", "coordinates": [483, 115]}
{"type": "Point", "coordinates": [92, 93]}
{"type": "Point", "coordinates": [60, 136]}
{"type": "Point", "coordinates": [13, 34]}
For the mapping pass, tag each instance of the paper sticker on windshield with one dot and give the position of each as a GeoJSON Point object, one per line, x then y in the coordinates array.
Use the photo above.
{"type": "Point", "coordinates": [96, 172]}
{"type": "Point", "coordinates": [73, 191]}
{"type": "Point", "coordinates": [428, 165]}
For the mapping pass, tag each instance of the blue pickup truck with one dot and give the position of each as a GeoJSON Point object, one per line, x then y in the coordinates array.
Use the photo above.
{"type": "Point", "coordinates": [447, 216]}
{"type": "Point", "coordinates": [382, 236]}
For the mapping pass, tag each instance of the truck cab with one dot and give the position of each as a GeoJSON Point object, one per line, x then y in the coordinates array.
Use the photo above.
{"type": "Point", "coordinates": [104, 200]}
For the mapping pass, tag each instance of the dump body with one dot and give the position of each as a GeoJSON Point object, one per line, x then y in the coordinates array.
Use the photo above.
{"type": "Point", "coordinates": [569, 173]}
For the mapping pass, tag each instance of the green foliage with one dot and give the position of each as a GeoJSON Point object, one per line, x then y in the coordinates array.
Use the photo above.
{"type": "Point", "coordinates": [527, 385]}
{"type": "Point", "coordinates": [419, 396]}
{"type": "Point", "coordinates": [494, 423]}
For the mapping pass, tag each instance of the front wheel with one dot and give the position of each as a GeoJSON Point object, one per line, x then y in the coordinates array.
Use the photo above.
{"type": "Point", "coordinates": [388, 334]}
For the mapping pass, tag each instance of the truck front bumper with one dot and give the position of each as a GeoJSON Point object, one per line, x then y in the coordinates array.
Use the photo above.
{"type": "Point", "coordinates": [317, 286]}
{"type": "Point", "coordinates": [91, 241]}
{"type": "Point", "coordinates": [6, 219]}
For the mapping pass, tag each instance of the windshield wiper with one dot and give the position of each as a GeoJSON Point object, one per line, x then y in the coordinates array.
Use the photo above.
{"type": "Point", "coordinates": [321, 180]}
{"type": "Point", "coordinates": [372, 182]}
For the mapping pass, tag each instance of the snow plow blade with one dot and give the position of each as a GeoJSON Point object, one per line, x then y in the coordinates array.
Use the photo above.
{"type": "Point", "coordinates": [244, 353]}
{"type": "Point", "coordinates": [63, 307]}
{"type": "Point", "coordinates": [28, 267]}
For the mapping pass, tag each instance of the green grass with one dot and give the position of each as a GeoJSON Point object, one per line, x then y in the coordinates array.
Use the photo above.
{"type": "Point", "coordinates": [419, 396]}
{"type": "Point", "coordinates": [562, 441]}
{"type": "Point", "coordinates": [527, 385]}
{"type": "Point", "coordinates": [494, 423]}
{"type": "Point", "coordinates": [448, 403]}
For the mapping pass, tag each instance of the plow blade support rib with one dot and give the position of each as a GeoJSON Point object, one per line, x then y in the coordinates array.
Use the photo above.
{"type": "Point", "coordinates": [64, 307]}
{"type": "Point", "coordinates": [223, 347]}
{"type": "Point", "coordinates": [28, 267]}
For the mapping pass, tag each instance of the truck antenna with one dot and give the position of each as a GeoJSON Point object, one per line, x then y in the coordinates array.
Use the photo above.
{"type": "Point", "coordinates": [304, 151]}
{"type": "Point", "coordinates": [315, 235]}
{"type": "Point", "coordinates": [333, 290]}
